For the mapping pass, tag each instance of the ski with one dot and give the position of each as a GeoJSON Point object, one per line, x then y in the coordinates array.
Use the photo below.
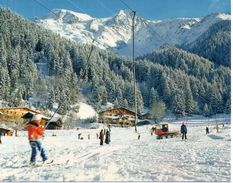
{"type": "Point", "coordinates": [41, 164]}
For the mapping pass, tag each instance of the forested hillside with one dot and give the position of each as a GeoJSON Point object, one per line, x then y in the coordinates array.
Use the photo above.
{"type": "Point", "coordinates": [215, 43]}
{"type": "Point", "coordinates": [185, 82]}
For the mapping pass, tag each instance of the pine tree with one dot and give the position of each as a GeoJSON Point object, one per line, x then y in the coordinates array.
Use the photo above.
{"type": "Point", "coordinates": [153, 97]}
{"type": "Point", "coordinates": [51, 99]}
{"type": "Point", "coordinates": [178, 103]}
{"type": "Point", "coordinates": [125, 104]}
{"type": "Point", "coordinates": [228, 107]}
{"type": "Point", "coordinates": [189, 102]}
{"type": "Point", "coordinates": [215, 99]}
{"type": "Point", "coordinates": [164, 90]}
{"type": "Point", "coordinates": [206, 111]}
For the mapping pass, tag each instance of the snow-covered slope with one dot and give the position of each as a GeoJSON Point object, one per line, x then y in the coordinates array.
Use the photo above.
{"type": "Point", "coordinates": [201, 158]}
{"type": "Point", "coordinates": [85, 111]}
{"type": "Point", "coordinates": [114, 33]}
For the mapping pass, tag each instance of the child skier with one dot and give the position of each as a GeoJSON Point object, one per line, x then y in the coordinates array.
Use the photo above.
{"type": "Point", "coordinates": [35, 132]}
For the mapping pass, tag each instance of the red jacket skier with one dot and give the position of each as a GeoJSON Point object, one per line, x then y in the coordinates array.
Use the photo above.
{"type": "Point", "coordinates": [35, 132]}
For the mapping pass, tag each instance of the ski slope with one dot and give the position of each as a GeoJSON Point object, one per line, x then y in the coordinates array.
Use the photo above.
{"type": "Point", "coordinates": [200, 158]}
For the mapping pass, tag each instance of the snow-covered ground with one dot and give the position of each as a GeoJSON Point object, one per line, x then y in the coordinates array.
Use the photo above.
{"type": "Point", "coordinates": [200, 158]}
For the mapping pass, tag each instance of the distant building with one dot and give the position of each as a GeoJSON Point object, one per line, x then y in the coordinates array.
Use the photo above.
{"type": "Point", "coordinates": [54, 123]}
{"type": "Point", "coordinates": [147, 115]}
{"type": "Point", "coordinates": [15, 114]}
{"type": "Point", "coordinates": [6, 131]}
{"type": "Point", "coordinates": [12, 113]}
{"type": "Point", "coordinates": [117, 117]}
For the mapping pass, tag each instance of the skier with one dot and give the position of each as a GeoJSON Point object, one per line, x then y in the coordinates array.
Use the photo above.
{"type": "Point", "coordinates": [35, 132]}
{"type": "Point", "coordinates": [183, 130]}
{"type": "Point", "coordinates": [88, 136]}
{"type": "Point", "coordinates": [101, 137]}
{"type": "Point", "coordinates": [107, 137]}
{"type": "Point", "coordinates": [207, 130]}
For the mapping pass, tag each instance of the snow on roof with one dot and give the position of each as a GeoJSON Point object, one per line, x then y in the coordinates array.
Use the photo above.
{"type": "Point", "coordinates": [5, 127]}
{"type": "Point", "coordinates": [54, 118]}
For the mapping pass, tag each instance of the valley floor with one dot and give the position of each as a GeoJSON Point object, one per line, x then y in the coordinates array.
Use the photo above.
{"type": "Point", "coordinates": [201, 158]}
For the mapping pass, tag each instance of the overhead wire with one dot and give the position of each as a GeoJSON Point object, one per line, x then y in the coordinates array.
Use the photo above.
{"type": "Point", "coordinates": [78, 7]}
{"type": "Point", "coordinates": [93, 39]}
{"type": "Point", "coordinates": [42, 5]}
{"type": "Point", "coordinates": [71, 2]}
{"type": "Point", "coordinates": [127, 5]}
{"type": "Point", "coordinates": [99, 2]}
{"type": "Point", "coordinates": [146, 23]}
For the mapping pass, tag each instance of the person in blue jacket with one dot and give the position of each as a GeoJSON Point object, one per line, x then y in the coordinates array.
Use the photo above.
{"type": "Point", "coordinates": [183, 130]}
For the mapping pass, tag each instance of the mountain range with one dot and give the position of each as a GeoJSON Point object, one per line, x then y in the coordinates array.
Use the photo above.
{"type": "Point", "coordinates": [115, 33]}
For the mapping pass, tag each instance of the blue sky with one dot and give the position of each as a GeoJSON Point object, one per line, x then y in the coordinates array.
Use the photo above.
{"type": "Point", "coordinates": [150, 9]}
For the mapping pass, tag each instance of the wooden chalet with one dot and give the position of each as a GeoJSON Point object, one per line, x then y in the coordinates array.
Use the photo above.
{"type": "Point", "coordinates": [16, 114]}
{"type": "Point", "coordinates": [12, 113]}
{"type": "Point", "coordinates": [117, 117]}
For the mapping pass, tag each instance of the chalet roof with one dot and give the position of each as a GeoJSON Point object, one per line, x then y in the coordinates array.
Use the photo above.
{"type": "Point", "coordinates": [116, 109]}
{"type": "Point", "coordinates": [54, 119]}
{"type": "Point", "coordinates": [25, 108]}
{"type": "Point", "coordinates": [29, 115]}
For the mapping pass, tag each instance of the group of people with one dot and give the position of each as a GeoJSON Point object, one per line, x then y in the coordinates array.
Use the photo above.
{"type": "Point", "coordinates": [105, 133]}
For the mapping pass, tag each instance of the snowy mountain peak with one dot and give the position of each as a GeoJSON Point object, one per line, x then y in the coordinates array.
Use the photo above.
{"type": "Point", "coordinates": [68, 16]}
{"type": "Point", "coordinates": [224, 16]}
{"type": "Point", "coordinates": [123, 16]}
{"type": "Point", "coordinates": [124, 13]}
{"type": "Point", "coordinates": [115, 33]}
{"type": "Point", "coordinates": [216, 16]}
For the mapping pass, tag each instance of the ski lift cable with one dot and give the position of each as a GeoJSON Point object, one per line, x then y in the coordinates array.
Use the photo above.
{"type": "Point", "coordinates": [123, 23]}
{"type": "Point", "coordinates": [45, 7]}
{"type": "Point", "coordinates": [78, 7]}
{"type": "Point", "coordinates": [127, 6]}
{"type": "Point", "coordinates": [105, 7]}
{"type": "Point", "coordinates": [93, 39]}
{"type": "Point", "coordinates": [149, 26]}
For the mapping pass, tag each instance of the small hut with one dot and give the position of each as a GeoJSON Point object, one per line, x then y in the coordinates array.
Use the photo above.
{"type": "Point", "coordinates": [6, 131]}
{"type": "Point", "coordinates": [54, 124]}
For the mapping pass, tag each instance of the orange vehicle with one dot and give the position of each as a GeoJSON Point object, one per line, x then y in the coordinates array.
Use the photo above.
{"type": "Point", "coordinates": [161, 130]}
